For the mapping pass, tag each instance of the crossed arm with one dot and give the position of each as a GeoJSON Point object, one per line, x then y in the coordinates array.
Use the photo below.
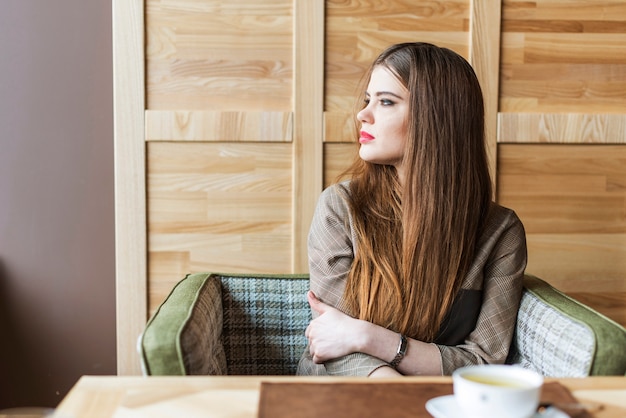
{"type": "Point", "coordinates": [334, 334]}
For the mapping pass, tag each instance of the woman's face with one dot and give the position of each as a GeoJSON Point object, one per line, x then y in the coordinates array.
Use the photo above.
{"type": "Point", "coordinates": [384, 120]}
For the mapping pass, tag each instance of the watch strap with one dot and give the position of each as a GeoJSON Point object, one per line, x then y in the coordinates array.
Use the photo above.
{"type": "Point", "coordinates": [402, 346]}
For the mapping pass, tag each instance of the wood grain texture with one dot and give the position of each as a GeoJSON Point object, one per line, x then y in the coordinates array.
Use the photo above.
{"type": "Point", "coordinates": [563, 56]}
{"type": "Point", "coordinates": [485, 58]}
{"type": "Point", "coordinates": [238, 396]}
{"type": "Point", "coordinates": [130, 205]}
{"type": "Point", "coordinates": [581, 128]}
{"type": "Point", "coordinates": [567, 10]}
{"type": "Point", "coordinates": [216, 55]}
{"type": "Point", "coordinates": [308, 123]}
{"type": "Point", "coordinates": [340, 127]}
{"type": "Point", "coordinates": [563, 85]}
{"type": "Point", "coordinates": [171, 125]}
{"type": "Point", "coordinates": [217, 207]}
{"type": "Point", "coordinates": [337, 158]}
{"type": "Point", "coordinates": [572, 201]}
{"type": "Point", "coordinates": [358, 30]}
{"type": "Point", "coordinates": [566, 188]}
{"type": "Point", "coordinates": [611, 304]}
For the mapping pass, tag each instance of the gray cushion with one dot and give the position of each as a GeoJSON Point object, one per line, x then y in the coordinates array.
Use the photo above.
{"type": "Point", "coordinates": [560, 337]}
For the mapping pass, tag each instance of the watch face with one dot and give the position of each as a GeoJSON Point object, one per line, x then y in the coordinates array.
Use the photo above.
{"type": "Point", "coordinates": [403, 345]}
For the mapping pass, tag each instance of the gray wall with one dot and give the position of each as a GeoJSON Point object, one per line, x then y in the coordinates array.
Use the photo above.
{"type": "Point", "coordinates": [57, 275]}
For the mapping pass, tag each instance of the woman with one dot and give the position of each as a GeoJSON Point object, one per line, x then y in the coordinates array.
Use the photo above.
{"type": "Point", "coordinates": [414, 270]}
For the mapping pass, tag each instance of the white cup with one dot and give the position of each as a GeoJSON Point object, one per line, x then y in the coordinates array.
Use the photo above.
{"type": "Point", "coordinates": [497, 391]}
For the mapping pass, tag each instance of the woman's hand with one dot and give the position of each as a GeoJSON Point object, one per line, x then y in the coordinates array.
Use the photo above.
{"type": "Point", "coordinates": [332, 334]}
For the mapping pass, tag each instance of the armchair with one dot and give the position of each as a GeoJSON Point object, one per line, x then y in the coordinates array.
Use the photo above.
{"type": "Point", "coordinates": [253, 324]}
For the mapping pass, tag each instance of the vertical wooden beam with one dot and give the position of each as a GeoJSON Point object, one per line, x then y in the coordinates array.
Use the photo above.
{"type": "Point", "coordinates": [130, 187]}
{"type": "Point", "coordinates": [308, 121]}
{"type": "Point", "coordinates": [485, 22]}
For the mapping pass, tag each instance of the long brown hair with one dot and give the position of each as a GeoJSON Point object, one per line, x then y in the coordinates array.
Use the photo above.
{"type": "Point", "coordinates": [408, 285]}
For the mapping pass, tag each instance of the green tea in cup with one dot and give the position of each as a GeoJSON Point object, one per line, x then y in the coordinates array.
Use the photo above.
{"type": "Point", "coordinates": [497, 391]}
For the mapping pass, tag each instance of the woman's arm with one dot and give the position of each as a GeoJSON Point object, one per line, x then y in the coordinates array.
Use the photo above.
{"type": "Point", "coordinates": [331, 252]}
{"type": "Point", "coordinates": [334, 334]}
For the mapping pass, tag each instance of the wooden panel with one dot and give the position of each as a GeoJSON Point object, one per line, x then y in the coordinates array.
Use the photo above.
{"type": "Point", "coordinates": [357, 31]}
{"type": "Point", "coordinates": [308, 128]}
{"type": "Point", "coordinates": [579, 262]}
{"type": "Point", "coordinates": [130, 205]}
{"type": "Point", "coordinates": [572, 201]}
{"type": "Point", "coordinates": [563, 56]}
{"type": "Point", "coordinates": [564, 15]}
{"type": "Point", "coordinates": [337, 158]}
{"type": "Point", "coordinates": [171, 125]}
{"type": "Point", "coordinates": [220, 93]}
{"type": "Point", "coordinates": [163, 267]}
{"type": "Point", "coordinates": [566, 188]}
{"type": "Point", "coordinates": [217, 55]}
{"type": "Point", "coordinates": [563, 80]}
{"type": "Point", "coordinates": [340, 127]}
{"type": "Point", "coordinates": [562, 128]}
{"type": "Point", "coordinates": [485, 58]}
{"type": "Point", "coordinates": [217, 207]}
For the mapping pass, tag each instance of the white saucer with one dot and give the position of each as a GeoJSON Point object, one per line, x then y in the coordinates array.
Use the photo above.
{"type": "Point", "coordinates": [444, 407]}
{"type": "Point", "coordinates": [447, 407]}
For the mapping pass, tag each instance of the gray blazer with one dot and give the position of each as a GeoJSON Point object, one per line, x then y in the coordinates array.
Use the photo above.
{"type": "Point", "coordinates": [479, 327]}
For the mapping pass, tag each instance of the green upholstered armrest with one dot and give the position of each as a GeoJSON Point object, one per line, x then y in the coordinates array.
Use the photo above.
{"type": "Point", "coordinates": [184, 335]}
{"type": "Point", "coordinates": [238, 324]}
{"type": "Point", "coordinates": [559, 336]}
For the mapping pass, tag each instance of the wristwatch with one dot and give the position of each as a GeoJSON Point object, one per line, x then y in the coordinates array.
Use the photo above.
{"type": "Point", "coordinates": [401, 352]}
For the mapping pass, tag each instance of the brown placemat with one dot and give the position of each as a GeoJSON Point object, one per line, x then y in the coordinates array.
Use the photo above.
{"type": "Point", "coordinates": [367, 399]}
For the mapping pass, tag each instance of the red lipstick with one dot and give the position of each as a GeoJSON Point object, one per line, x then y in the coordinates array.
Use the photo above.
{"type": "Point", "coordinates": [365, 137]}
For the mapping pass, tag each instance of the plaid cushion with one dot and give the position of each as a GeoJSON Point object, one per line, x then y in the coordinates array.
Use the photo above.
{"type": "Point", "coordinates": [559, 336]}
{"type": "Point", "coordinates": [264, 322]}
{"type": "Point", "coordinates": [553, 344]}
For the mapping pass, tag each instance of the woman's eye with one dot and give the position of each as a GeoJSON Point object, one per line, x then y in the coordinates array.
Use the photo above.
{"type": "Point", "coordinates": [382, 102]}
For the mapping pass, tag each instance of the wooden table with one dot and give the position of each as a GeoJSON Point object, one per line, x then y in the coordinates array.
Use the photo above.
{"type": "Point", "coordinates": [238, 396]}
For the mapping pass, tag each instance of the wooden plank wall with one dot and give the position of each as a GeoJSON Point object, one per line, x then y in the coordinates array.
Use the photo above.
{"type": "Point", "coordinates": [562, 142]}
{"type": "Point", "coordinates": [220, 138]}
{"type": "Point", "coordinates": [245, 110]}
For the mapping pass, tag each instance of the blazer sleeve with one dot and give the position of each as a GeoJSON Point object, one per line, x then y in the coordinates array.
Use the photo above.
{"type": "Point", "coordinates": [499, 269]}
{"type": "Point", "coordinates": [331, 252]}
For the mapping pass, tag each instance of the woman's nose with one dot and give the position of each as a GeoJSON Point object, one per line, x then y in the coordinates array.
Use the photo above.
{"type": "Point", "coordinates": [364, 115]}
